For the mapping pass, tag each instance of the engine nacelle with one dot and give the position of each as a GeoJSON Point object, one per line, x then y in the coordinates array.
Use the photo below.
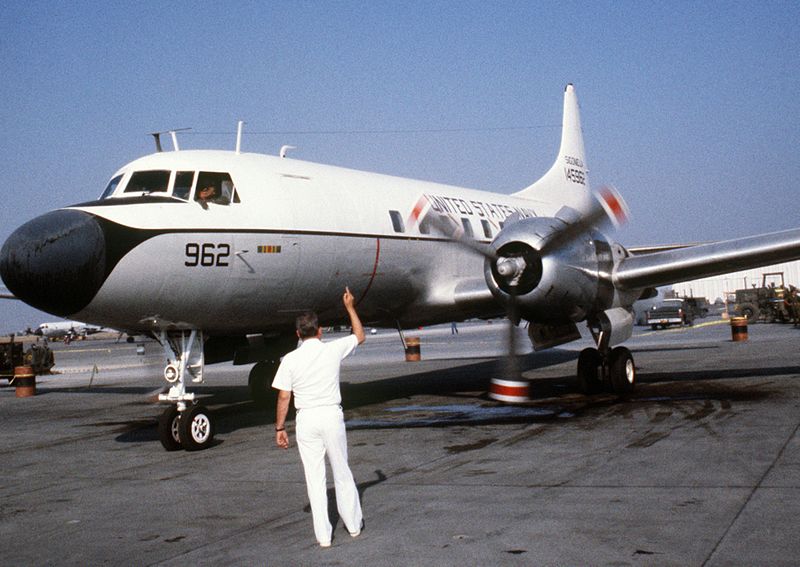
{"type": "Point", "coordinates": [557, 282]}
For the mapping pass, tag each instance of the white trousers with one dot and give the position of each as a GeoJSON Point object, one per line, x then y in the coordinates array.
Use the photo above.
{"type": "Point", "coordinates": [321, 431]}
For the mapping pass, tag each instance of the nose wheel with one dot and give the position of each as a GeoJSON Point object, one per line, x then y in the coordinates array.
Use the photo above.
{"type": "Point", "coordinates": [615, 372]}
{"type": "Point", "coordinates": [191, 429]}
{"type": "Point", "coordinates": [169, 428]}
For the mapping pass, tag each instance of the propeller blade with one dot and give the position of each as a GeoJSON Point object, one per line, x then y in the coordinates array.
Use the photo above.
{"type": "Point", "coordinates": [615, 206]}
{"type": "Point", "coordinates": [451, 230]}
{"type": "Point", "coordinates": [512, 371]}
{"type": "Point", "coordinates": [608, 205]}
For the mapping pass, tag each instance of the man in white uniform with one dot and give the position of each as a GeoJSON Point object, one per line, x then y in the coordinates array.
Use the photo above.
{"type": "Point", "coordinates": [311, 372]}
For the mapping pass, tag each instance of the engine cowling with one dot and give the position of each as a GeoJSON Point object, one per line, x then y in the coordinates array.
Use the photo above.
{"type": "Point", "coordinates": [554, 279]}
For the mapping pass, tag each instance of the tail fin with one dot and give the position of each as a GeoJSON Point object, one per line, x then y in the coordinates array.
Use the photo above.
{"type": "Point", "coordinates": [567, 181]}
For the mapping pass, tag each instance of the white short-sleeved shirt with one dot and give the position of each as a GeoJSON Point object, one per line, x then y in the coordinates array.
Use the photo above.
{"type": "Point", "coordinates": [311, 372]}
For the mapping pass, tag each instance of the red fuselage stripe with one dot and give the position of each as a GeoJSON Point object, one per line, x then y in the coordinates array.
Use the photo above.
{"type": "Point", "coordinates": [374, 269]}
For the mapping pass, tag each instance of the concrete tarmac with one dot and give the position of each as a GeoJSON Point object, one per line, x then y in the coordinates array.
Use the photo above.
{"type": "Point", "coordinates": [700, 466]}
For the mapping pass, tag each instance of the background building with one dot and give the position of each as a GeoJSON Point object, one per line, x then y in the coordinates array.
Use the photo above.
{"type": "Point", "coordinates": [717, 287]}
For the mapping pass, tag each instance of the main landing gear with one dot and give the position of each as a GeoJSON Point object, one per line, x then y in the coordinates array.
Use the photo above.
{"type": "Point", "coordinates": [605, 368]}
{"type": "Point", "coordinates": [185, 424]}
{"type": "Point", "coordinates": [615, 372]}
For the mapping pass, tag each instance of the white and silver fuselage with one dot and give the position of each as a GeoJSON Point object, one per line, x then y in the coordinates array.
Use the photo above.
{"type": "Point", "coordinates": [294, 236]}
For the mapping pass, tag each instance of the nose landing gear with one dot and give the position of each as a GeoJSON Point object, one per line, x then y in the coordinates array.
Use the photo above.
{"type": "Point", "coordinates": [185, 424]}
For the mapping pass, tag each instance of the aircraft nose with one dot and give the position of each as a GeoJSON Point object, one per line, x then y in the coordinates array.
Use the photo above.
{"type": "Point", "coordinates": [55, 262]}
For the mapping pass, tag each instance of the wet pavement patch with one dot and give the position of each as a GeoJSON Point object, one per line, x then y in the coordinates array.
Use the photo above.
{"type": "Point", "coordinates": [470, 446]}
{"type": "Point", "coordinates": [453, 414]}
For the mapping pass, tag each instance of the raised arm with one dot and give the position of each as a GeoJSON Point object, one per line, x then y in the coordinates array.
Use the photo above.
{"type": "Point", "coordinates": [350, 304]}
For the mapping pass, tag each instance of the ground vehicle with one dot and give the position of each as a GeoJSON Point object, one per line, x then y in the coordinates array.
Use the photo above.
{"type": "Point", "coordinates": [698, 306]}
{"type": "Point", "coordinates": [670, 312]}
{"type": "Point", "coordinates": [771, 302]}
{"type": "Point", "coordinates": [13, 353]}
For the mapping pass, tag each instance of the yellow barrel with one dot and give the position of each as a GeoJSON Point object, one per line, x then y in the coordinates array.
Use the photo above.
{"type": "Point", "coordinates": [24, 381]}
{"type": "Point", "coordinates": [739, 329]}
{"type": "Point", "coordinates": [412, 349]}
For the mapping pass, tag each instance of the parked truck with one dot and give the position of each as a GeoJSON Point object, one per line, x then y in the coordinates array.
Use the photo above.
{"type": "Point", "coordinates": [676, 311]}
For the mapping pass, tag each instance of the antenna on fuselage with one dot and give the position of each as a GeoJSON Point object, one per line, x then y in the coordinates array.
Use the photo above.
{"type": "Point", "coordinates": [239, 136]}
{"type": "Point", "coordinates": [285, 149]}
{"type": "Point", "coordinates": [173, 134]}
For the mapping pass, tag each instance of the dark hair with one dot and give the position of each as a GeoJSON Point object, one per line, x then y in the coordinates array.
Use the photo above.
{"type": "Point", "coordinates": [307, 325]}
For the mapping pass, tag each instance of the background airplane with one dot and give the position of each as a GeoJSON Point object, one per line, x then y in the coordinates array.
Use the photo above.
{"type": "Point", "coordinates": [223, 279]}
{"type": "Point", "coordinates": [69, 330]}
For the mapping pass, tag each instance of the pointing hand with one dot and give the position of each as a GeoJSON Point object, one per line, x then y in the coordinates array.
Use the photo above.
{"type": "Point", "coordinates": [348, 299]}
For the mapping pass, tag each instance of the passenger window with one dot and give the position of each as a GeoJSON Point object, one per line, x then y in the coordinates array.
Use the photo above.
{"type": "Point", "coordinates": [467, 228]}
{"type": "Point", "coordinates": [487, 228]}
{"type": "Point", "coordinates": [183, 184]}
{"type": "Point", "coordinates": [397, 221]}
{"type": "Point", "coordinates": [111, 187]}
{"type": "Point", "coordinates": [155, 181]}
{"type": "Point", "coordinates": [217, 188]}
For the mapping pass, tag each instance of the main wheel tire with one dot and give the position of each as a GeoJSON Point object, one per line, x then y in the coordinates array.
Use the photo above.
{"type": "Point", "coordinates": [196, 428]}
{"type": "Point", "coordinates": [260, 382]}
{"type": "Point", "coordinates": [621, 370]}
{"type": "Point", "coordinates": [589, 364]}
{"type": "Point", "coordinates": [168, 428]}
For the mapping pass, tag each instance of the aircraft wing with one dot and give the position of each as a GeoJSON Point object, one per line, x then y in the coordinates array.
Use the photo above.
{"type": "Point", "coordinates": [705, 260]}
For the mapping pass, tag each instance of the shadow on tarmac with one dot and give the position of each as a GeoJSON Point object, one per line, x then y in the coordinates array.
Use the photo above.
{"type": "Point", "coordinates": [555, 397]}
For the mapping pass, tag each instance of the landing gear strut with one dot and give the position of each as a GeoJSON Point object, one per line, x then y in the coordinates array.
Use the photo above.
{"type": "Point", "coordinates": [185, 423]}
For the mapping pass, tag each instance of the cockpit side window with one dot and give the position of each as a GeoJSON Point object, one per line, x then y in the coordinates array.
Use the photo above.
{"type": "Point", "coordinates": [154, 181]}
{"type": "Point", "coordinates": [111, 187]}
{"type": "Point", "coordinates": [217, 188]}
{"type": "Point", "coordinates": [183, 184]}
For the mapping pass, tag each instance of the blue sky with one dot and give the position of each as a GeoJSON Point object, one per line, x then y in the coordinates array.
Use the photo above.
{"type": "Point", "coordinates": [690, 109]}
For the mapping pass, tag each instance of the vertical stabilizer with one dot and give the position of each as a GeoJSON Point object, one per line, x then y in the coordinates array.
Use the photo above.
{"type": "Point", "coordinates": [567, 181]}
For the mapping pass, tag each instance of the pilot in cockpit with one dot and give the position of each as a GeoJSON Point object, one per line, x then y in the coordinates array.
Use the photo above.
{"type": "Point", "coordinates": [209, 194]}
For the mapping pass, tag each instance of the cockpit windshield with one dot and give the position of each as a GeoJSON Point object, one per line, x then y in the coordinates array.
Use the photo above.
{"type": "Point", "coordinates": [155, 181]}
{"type": "Point", "coordinates": [203, 187]}
{"type": "Point", "coordinates": [111, 187]}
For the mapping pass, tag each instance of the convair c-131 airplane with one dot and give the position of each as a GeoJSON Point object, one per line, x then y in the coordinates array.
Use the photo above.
{"type": "Point", "coordinates": [214, 253]}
